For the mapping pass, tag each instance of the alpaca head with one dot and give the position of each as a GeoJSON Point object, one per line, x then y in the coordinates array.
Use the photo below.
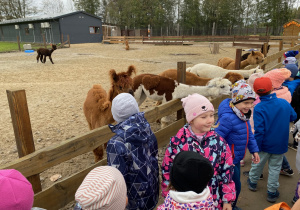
{"type": "Point", "coordinates": [255, 58]}
{"type": "Point", "coordinates": [121, 82]}
{"type": "Point", "coordinates": [219, 86]}
{"type": "Point", "coordinates": [233, 77]}
{"type": "Point", "coordinates": [53, 46]}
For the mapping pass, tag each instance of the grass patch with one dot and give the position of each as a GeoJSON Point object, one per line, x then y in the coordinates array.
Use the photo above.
{"type": "Point", "coordinates": [13, 46]}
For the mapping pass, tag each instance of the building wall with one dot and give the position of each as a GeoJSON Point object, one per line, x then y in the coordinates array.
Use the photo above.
{"type": "Point", "coordinates": [31, 35]}
{"type": "Point", "coordinates": [77, 27]}
{"type": "Point", "coordinates": [291, 30]}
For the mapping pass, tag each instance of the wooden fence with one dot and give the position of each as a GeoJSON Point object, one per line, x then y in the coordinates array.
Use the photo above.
{"type": "Point", "coordinates": [243, 41]}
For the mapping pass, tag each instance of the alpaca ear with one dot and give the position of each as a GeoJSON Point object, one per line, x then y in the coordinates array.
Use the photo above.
{"type": "Point", "coordinates": [252, 53]}
{"type": "Point", "coordinates": [113, 75]}
{"type": "Point", "coordinates": [131, 69]}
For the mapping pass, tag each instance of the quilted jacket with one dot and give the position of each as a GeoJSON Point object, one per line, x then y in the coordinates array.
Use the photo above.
{"type": "Point", "coordinates": [235, 131]}
{"type": "Point", "coordinates": [133, 150]}
{"type": "Point", "coordinates": [216, 150]}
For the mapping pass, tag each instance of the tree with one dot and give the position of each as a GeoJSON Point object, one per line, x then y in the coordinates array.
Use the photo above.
{"type": "Point", "coordinates": [89, 6]}
{"type": "Point", "coordinates": [12, 9]}
{"type": "Point", "coordinates": [52, 6]}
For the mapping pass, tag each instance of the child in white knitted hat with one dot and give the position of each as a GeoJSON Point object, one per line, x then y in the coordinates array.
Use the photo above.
{"type": "Point", "coordinates": [103, 188]}
{"type": "Point", "coordinates": [199, 136]}
{"type": "Point", "coordinates": [133, 151]}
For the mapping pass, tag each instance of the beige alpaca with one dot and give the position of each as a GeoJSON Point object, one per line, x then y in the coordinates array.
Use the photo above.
{"type": "Point", "coordinates": [97, 105]}
{"type": "Point", "coordinates": [127, 45]}
{"type": "Point", "coordinates": [253, 59]}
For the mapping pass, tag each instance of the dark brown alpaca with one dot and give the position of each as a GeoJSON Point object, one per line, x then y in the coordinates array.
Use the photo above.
{"type": "Point", "coordinates": [43, 53]}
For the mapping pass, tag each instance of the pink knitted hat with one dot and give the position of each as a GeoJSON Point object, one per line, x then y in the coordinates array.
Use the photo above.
{"type": "Point", "coordinates": [278, 76]}
{"type": "Point", "coordinates": [252, 78]}
{"type": "Point", "coordinates": [195, 105]}
{"type": "Point", "coordinates": [103, 188]}
{"type": "Point", "coordinates": [15, 190]}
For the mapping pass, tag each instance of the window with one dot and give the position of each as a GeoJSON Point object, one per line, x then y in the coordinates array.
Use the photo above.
{"type": "Point", "coordinates": [27, 31]}
{"type": "Point", "coordinates": [94, 30]}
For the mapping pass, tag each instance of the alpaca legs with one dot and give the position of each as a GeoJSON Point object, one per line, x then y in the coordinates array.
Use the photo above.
{"type": "Point", "coordinates": [51, 59]}
{"type": "Point", "coordinates": [99, 152]}
{"type": "Point", "coordinates": [44, 61]}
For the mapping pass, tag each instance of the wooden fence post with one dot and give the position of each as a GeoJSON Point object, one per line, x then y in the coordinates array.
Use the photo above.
{"type": "Point", "coordinates": [182, 40]}
{"type": "Point", "coordinates": [293, 43]}
{"type": "Point", "coordinates": [238, 56]}
{"type": "Point", "coordinates": [22, 129]}
{"type": "Point", "coordinates": [143, 39]}
{"type": "Point", "coordinates": [69, 40]}
{"type": "Point", "coordinates": [280, 48]}
{"type": "Point", "coordinates": [44, 40]}
{"type": "Point", "coordinates": [181, 77]}
{"type": "Point", "coordinates": [19, 44]}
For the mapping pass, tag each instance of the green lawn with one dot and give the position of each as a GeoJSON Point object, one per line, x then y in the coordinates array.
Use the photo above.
{"type": "Point", "coordinates": [13, 46]}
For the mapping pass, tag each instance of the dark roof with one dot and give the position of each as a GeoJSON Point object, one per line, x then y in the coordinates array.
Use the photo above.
{"type": "Point", "coordinates": [45, 17]}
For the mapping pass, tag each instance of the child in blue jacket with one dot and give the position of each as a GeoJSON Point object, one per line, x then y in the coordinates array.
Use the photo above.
{"type": "Point", "coordinates": [133, 150]}
{"type": "Point", "coordinates": [272, 117]}
{"type": "Point", "coordinates": [234, 126]}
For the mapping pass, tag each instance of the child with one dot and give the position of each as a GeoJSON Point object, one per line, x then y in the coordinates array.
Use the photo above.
{"type": "Point", "coordinates": [198, 136]}
{"type": "Point", "coordinates": [278, 76]}
{"type": "Point", "coordinates": [189, 177]}
{"type": "Point", "coordinates": [271, 116]}
{"type": "Point", "coordinates": [103, 188]}
{"type": "Point", "coordinates": [133, 150]}
{"type": "Point", "coordinates": [234, 127]}
{"type": "Point", "coordinates": [15, 190]}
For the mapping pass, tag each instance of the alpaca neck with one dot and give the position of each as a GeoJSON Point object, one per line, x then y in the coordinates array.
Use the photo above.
{"type": "Point", "coordinates": [112, 94]}
{"type": "Point", "coordinates": [244, 63]}
{"type": "Point", "coordinates": [182, 90]}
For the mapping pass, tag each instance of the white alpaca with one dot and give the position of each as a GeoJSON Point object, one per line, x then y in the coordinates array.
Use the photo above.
{"type": "Point", "coordinates": [212, 71]}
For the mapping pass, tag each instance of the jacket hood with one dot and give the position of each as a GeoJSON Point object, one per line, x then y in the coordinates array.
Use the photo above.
{"type": "Point", "coordinates": [135, 129]}
{"type": "Point", "coordinates": [224, 107]}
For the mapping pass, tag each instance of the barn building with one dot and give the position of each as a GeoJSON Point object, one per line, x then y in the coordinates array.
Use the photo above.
{"type": "Point", "coordinates": [292, 28]}
{"type": "Point", "coordinates": [81, 27]}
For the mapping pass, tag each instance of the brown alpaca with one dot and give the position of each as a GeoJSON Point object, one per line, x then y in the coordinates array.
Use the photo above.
{"type": "Point", "coordinates": [42, 53]}
{"type": "Point", "coordinates": [193, 79]}
{"type": "Point", "coordinates": [127, 45]}
{"type": "Point", "coordinates": [97, 105]}
{"type": "Point", "coordinates": [253, 59]}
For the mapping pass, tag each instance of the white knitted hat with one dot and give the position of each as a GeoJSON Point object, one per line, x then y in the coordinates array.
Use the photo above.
{"type": "Point", "coordinates": [123, 106]}
{"type": "Point", "coordinates": [103, 188]}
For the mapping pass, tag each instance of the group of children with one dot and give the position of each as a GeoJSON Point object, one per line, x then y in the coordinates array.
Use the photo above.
{"type": "Point", "coordinates": [201, 165]}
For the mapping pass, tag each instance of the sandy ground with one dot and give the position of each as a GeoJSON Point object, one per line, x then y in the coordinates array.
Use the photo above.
{"type": "Point", "coordinates": [55, 93]}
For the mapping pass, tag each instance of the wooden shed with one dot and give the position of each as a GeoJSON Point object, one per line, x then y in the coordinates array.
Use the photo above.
{"type": "Point", "coordinates": [292, 28]}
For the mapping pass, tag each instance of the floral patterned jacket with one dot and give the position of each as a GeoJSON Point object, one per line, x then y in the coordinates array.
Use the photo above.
{"type": "Point", "coordinates": [215, 149]}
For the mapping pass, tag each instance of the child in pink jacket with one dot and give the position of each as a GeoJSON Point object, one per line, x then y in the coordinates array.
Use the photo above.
{"type": "Point", "coordinates": [199, 136]}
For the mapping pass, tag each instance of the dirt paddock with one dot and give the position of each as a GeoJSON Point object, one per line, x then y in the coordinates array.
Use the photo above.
{"type": "Point", "coordinates": [55, 93]}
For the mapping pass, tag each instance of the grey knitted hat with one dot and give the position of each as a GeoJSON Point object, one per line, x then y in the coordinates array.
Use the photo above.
{"type": "Point", "coordinates": [123, 106]}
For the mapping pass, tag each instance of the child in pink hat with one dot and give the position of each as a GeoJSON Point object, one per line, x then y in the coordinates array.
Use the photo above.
{"type": "Point", "coordinates": [15, 190]}
{"type": "Point", "coordinates": [199, 136]}
{"type": "Point", "coordinates": [278, 76]}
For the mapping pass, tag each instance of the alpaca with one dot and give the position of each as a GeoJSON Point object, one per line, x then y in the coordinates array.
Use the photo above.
{"type": "Point", "coordinates": [245, 56]}
{"type": "Point", "coordinates": [164, 89]}
{"type": "Point", "coordinates": [42, 52]}
{"type": "Point", "coordinates": [253, 59]}
{"type": "Point", "coordinates": [192, 79]}
{"type": "Point", "coordinates": [127, 45]}
{"type": "Point", "coordinates": [212, 71]}
{"type": "Point", "coordinates": [97, 105]}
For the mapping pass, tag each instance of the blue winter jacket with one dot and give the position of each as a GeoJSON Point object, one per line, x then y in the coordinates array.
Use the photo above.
{"type": "Point", "coordinates": [272, 117]}
{"type": "Point", "coordinates": [235, 131]}
{"type": "Point", "coordinates": [292, 85]}
{"type": "Point", "coordinates": [133, 150]}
